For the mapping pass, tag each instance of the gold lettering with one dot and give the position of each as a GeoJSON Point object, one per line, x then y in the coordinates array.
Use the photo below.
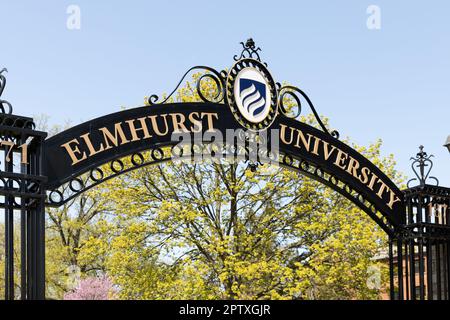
{"type": "Point", "coordinates": [382, 189]}
{"type": "Point", "coordinates": [155, 125]}
{"type": "Point", "coordinates": [326, 152]}
{"type": "Point", "coordinates": [316, 146]}
{"type": "Point", "coordinates": [143, 128]}
{"type": "Point", "coordinates": [209, 116]}
{"type": "Point", "coordinates": [178, 120]}
{"type": "Point", "coordinates": [301, 136]}
{"type": "Point", "coordinates": [197, 124]}
{"type": "Point", "coordinates": [114, 139]}
{"type": "Point", "coordinates": [365, 175]}
{"type": "Point", "coordinates": [392, 199]}
{"type": "Point", "coordinates": [73, 151]}
{"type": "Point", "coordinates": [282, 134]}
{"type": "Point", "coordinates": [353, 166]}
{"type": "Point", "coordinates": [91, 148]}
{"type": "Point", "coordinates": [372, 181]}
{"type": "Point", "coordinates": [341, 156]}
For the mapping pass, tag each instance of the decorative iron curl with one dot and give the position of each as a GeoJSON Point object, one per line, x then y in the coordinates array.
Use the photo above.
{"type": "Point", "coordinates": [293, 92]}
{"type": "Point", "coordinates": [218, 79]}
{"type": "Point", "coordinates": [4, 103]}
{"type": "Point", "coordinates": [249, 50]}
{"type": "Point", "coordinates": [17, 122]}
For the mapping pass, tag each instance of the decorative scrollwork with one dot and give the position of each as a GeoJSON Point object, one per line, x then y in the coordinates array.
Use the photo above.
{"type": "Point", "coordinates": [422, 161]}
{"type": "Point", "coordinates": [4, 103]}
{"type": "Point", "coordinates": [291, 94]}
{"type": "Point", "coordinates": [249, 50]}
{"type": "Point", "coordinates": [16, 121]}
{"type": "Point", "coordinates": [218, 78]}
{"type": "Point", "coordinates": [11, 183]}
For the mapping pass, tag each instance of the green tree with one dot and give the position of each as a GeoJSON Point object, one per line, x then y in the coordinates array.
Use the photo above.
{"type": "Point", "coordinates": [67, 229]}
{"type": "Point", "coordinates": [218, 230]}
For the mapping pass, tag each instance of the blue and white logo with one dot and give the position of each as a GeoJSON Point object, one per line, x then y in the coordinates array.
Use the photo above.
{"type": "Point", "coordinates": [252, 95]}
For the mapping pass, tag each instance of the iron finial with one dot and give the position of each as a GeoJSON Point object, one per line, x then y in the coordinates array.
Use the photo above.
{"type": "Point", "coordinates": [250, 43]}
{"type": "Point", "coordinates": [249, 50]}
{"type": "Point", "coordinates": [422, 161]}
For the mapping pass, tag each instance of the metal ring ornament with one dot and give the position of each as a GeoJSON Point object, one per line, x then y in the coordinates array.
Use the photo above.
{"type": "Point", "coordinates": [96, 174]}
{"type": "Point", "coordinates": [76, 185]}
{"type": "Point", "coordinates": [319, 172]}
{"type": "Point", "coordinates": [304, 165]}
{"type": "Point", "coordinates": [218, 95]}
{"type": "Point", "coordinates": [57, 193]}
{"type": "Point", "coordinates": [119, 163]}
{"type": "Point", "coordinates": [137, 163]}
{"type": "Point", "coordinates": [230, 83]}
{"type": "Point", "coordinates": [157, 154]}
{"type": "Point", "coordinates": [177, 151]}
{"type": "Point", "coordinates": [282, 107]}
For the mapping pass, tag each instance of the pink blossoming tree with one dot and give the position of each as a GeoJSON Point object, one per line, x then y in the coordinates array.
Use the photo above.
{"type": "Point", "coordinates": [92, 288]}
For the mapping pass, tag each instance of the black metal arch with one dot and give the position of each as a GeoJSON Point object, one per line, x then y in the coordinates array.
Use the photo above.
{"type": "Point", "coordinates": [116, 167]}
{"type": "Point", "coordinates": [53, 171]}
{"type": "Point", "coordinates": [66, 181]}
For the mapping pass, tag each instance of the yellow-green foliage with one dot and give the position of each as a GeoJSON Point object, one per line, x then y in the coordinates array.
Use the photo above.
{"type": "Point", "coordinates": [215, 231]}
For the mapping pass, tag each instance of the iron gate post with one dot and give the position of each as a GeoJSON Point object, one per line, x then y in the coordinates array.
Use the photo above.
{"type": "Point", "coordinates": [24, 207]}
{"type": "Point", "coordinates": [426, 234]}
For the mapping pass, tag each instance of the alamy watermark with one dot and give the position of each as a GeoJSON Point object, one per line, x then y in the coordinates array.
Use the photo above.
{"type": "Point", "coordinates": [237, 145]}
{"type": "Point", "coordinates": [373, 278]}
{"type": "Point", "coordinates": [73, 273]}
{"type": "Point", "coordinates": [73, 21]}
{"type": "Point", "coordinates": [374, 19]}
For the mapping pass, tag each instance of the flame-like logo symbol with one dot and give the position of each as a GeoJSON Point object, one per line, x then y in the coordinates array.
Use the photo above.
{"type": "Point", "coordinates": [253, 95]}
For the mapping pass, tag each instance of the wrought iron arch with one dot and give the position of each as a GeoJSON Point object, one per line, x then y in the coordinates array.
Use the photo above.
{"type": "Point", "coordinates": [54, 171]}
{"type": "Point", "coordinates": [66, 182]}
{"type": "Point", "coordinates": [285, 108]}
{"type": "Point", "coordinates": [116, 167]}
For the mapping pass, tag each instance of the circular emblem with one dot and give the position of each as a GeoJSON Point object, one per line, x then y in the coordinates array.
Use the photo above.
{"type": "Point", "coordinates": [252, 94]}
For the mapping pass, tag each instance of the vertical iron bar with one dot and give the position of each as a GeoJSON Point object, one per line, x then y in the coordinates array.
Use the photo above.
{"type": "Point", "coordinates": [412, 264]}
{"type": "Point", "coordinates": [447, 271]}
{"type": "Point", "coordinates": [400, 268]}
{"type": "Point", "coordinates": [9, 235]}
{"type": "Point", "coordinates": [23, 229]}
{"type": "Point", "coordinates": [429, 257]}
{"type": "Point", "coordinates": [23, 252]}
{"type": "Point", "coordinates": [34, 242]}
{"type": "Point", "coordinates": [41, 226]}
{"type": "Point", "coordinates": [438, 270]}
{"type": "Point", "coordinates": [421, 270]}
{"type": "Point", "coordinates": [412, 253]}
{"type": "Point", "coordinates": [420, 247]}
{"type": "Point", "coordinates": [32, 238]}
{"type": "Point", "coordinates": [407, 295]}
{"type": "Point", "coordinates": [30, 256]}
{"type": "Point", "coordinates": [391, 271]}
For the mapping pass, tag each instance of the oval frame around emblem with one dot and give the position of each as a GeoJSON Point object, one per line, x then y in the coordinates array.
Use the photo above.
{"type": "Point", "coordinates": [254, 73]}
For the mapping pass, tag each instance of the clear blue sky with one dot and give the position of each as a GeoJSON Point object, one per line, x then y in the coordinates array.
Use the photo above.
{"type": "Point", "coordinates": [392, 83]}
